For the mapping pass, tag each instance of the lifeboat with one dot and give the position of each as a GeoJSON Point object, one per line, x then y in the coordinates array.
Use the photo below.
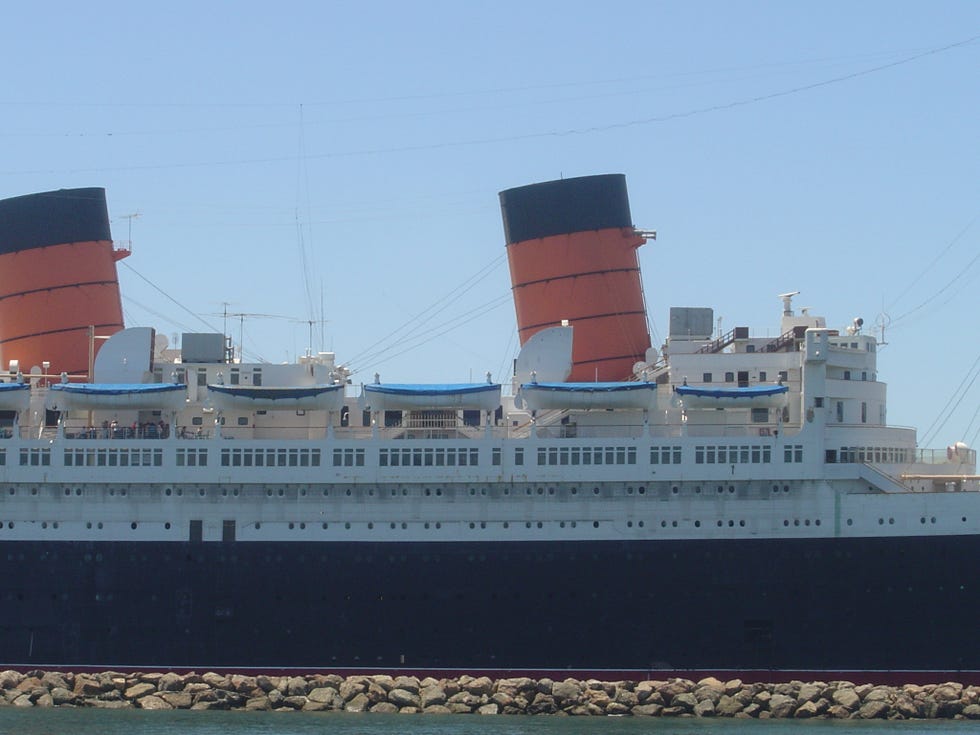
{"type": "Point", "coordinates": [584, 396]}
{"type": "Point", "coordinates": [324, 397]}
{"type": "Point", "coordinates": [15, 396]}
{"type": "Point", "coordinates": [409, 396]}
{"type": "Point", "coordinates": [96, 396]}
{"type": "Point", "coordinates": [758, 396]}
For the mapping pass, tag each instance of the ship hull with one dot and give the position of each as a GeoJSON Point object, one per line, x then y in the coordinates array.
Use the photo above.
{"type": "Point", "coordinates": [863, 606]}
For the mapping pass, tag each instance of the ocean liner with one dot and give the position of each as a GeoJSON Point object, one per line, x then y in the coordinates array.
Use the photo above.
{"type": "Point", "coordinates": [725, 503]}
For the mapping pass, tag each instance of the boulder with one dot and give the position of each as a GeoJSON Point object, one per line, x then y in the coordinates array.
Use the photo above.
{"type": "Point", "coordinates": [152, 702]}
{"type": "Point", "coordinates": [782, 705]}
{"type": "Point", "coordinates": [384, 708]}
{"type": "Point", "coordinates": [434, 694]}
{"type": "Point", "coordinates": [874, 709]}
{"type": "Point", "coordinates": [358, 703]}
{"type": "Point", "coordinates": [139, 690]}
{"type": "Point", "coordinates": [404, 698]}
{"type": "Point", "coordinates": [847, 698]}
{"type": "Point", "coordinates": [704, 708]}
{"type": "Point", "coordinates": [647, 710]}
{"type": "Point", "coordinates": [408, 683]}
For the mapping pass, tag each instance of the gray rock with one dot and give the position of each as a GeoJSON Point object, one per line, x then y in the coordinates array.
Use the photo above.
{"type": "Point", "coordinates": [810, 693]}
{"type": "Point", "coordinates": [647, 710]}
{"type": "Point", "coordinates": [782, 705]}
{"type": "Point", "coordinates": [358, 703]}
{"type": "Point", "coordinates": [617, 708]}
{"type": "Point", "coordinates": [728, 705]}
{"type": "Point", "coordinates": [177, 700]}
{"type": "Point", "coordinates": [404, 698]}
{"type": "Point", "coordinates": [61, 695]}
{"type": "Point", "coordinates": [847, 698]}
{"type": "Point", "coordinates": [874, 709]}
{"type": "Point", "coordinates": [296, 686]}
{"type": "Point", "coordinates": [258, 704]}
{"type": "Point", "coordinates": [972, 712]}
{"type": "Point", "coordinates": [384, 708]}
{"type": "Point", "coordinates": [139, 690]}
{"type": "Point", "coordinates": [153, 702]}
{"type": "Point", "coordinates": [166, 683]}
{"type": "Point", "coordinates": [323, 695]}
{"type": "Point", "coordinates": [704, 708]}
{"type": "Point", "coordinates": [433, 694]}
{"type": "Point", "coordinates": [685, 700]}
{"type": "Point", "coordinates": [408, 683]}
{"type": "Point", "coordinates": [480, 686]}
{"type": "Point", "coordinates": [437, 709]}
{"type": "Point", "coordinates": [488, 709]}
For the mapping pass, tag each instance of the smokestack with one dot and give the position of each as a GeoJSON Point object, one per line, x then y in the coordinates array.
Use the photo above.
{"type": "Point", "coordinates": [572, 247]}
{"type": "Point", "coordinates": [57, 278]}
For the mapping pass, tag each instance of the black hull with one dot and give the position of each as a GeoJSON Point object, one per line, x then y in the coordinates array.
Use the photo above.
{"type": "Point", "coordinates": [820, 605]}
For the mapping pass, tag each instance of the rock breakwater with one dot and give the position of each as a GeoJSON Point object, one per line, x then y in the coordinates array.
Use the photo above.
{"type": "Point", "coordinates": [480, 695]}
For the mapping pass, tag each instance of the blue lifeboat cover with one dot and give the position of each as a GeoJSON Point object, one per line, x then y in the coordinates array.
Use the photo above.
{"type": "Point", "coordinates": [430, 389]}
{"type": "Point", "coordinates": [117, 389]}
{"type": "Point", "coordinates": [11, 387]}
{"type": "Point", "coordinates": [245, 391]}
{"type": "Point", "coordinates": [754, 391]}
{"type": "Point", "coordinates": [590, 387]}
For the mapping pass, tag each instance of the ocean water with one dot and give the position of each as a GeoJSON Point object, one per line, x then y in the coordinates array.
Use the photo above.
{"type": "Point", "coordinates": [64, 721]}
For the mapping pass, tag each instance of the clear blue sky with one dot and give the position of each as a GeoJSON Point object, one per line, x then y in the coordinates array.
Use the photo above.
{"type": "Point", "coordinates": [341, 161]}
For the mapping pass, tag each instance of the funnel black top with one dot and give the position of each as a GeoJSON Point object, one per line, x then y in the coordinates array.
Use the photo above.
{"type": "Point", "coordinates": [565, 206]}
{"type": "Point", "coordinates": [53, 218]}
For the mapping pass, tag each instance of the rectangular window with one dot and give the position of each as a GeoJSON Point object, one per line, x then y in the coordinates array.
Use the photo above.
{"type": "Point", "coordinates": [677, 455]}
{"type": "Point", "coordinates": [519, 456]}
{"type": "Point", "coordinates": [706, 378]}
{"type": "Point", "coordinates": [762, 376]}
{"type": "Point", "coordinates": [766, 454]}
{"type": "Point", "coordinates": [698, 455]}
{"type": "Point", "coordinates": [495, 457]}
{"type": "Point", "coordinates": [729, 377]}
{"type": "Point", "coordinates": [864, 412]}
{"type": "Point", "coordinates": [760, 415]}
{"type": "Point", "coordinates": [202, 377]}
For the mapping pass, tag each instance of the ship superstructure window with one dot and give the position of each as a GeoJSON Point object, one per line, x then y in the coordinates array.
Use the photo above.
{"type": "Point", "coordinates": [741, 454]}
{"type": "Point", "coordinates": [428, 457]}
{"type": "Point", "coordinates": [586, 455]}
{"type": "Point", "coordinates": [192, 457]}
{"type": "Point", "coordinates": [793, 453]}
{"type": "Point", "coordinates": [760, 415]}
{"type": "Point", "coordinates": [864, 412]}
{"type": "Point", "coordinates": [257, 376]}
{"type": "Point", "coordinates": [889, 455]}
{"type": "Point", "coordinates": [35, 457]}
{"type": "Point", "coordinates": [113, 458]}
{"type": "Point", "coordinates": [706, 378]}
{"type": "Point", "coordinates": [202, 377]}
{"type": "Point", "coordinates": [840, 412]}
{"type": "Point", "coordinates": [519, 456]}
{"type": "Point", "coordinates": [3, 456]}
{"type": "Point", "coordinates": [729, 377]}
{"type": "Point", "coordinates": [269, 457]}
{"type": "Point", "coordinates": [665, 455]}
{"type": "Point", "coordinates": [495, 456]}
{"type": "Point", "coordinates": [348, 458]}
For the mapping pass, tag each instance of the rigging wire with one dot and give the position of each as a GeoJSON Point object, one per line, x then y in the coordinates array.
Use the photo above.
{"type": "Point", "coordinates": [396, 337]}
{"type": "Point", "coordinates": [170, 298]}
{"type": "Point", "coordinates": [958, 395]}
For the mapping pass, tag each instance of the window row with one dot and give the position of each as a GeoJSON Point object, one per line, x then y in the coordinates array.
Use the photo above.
{"type": "Point", "coordinates": [586, 455]}
{"type": "Point", "coordinates": [744, 454]}
{"type": "Point", "coordinates": [129, 457]}
{"type": "Point", "coordinates": [429, 457]}
{"type": "Point", "coordinates": [269, 457]}
{"type": "Point", "coordinates": [876, 454]}
{"type": "Point", "coordinates": [665, 455]}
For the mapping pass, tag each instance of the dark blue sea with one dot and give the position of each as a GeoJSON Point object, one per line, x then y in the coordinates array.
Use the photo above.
{"type": "Point", "coordinates": [133, 722]}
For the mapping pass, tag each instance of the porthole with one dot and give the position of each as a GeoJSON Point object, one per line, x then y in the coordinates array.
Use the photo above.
{"type": "Point", "coordinates": [785, 523]}
{"type": "Point", "coordinates": [775, 488]}
{"type": "Point", "coordinates": [674, 490]}
{"type": "Point", "coordinates": [293, 525]}
{"type": "Point", "coordinates": [133, 525]}
{"type": "Point", "coordinates": [370, 526]}
{"type": "Point", "coordinates": [698, 490]}
{"type": "Point", "coordinates": [817, 522]}
{"type": "Point", "coordinates": [574, 491]}
{"type": "Point", "coordinates": [540, 524]}
{"type": "Point", "coordinates": [720, 489]}
{"type": "Point", "coordinates": [933, 519]}
{"type": "Point", "coordinates": [167, 525]}
{"type": "Point", "coordinates": [303, 492]}
{"type": "Point", "coordinates": [561, 524]}
{"type": "Point", "coordinates": [640, 524]}
{"type": "Point", "coordinates": [629, 524]}
{"type": "Point", "coordinates": [325, 492]}
{"type": "Point", "coordinates": [922, 520]}
{"type": "Point", "coordinates": [719, 523]}
{"type": "Point", "coordinates": [641, 490]}
{"type": "Point", "coordinates": [785, 488]}
{"type": "Point", "coordinates": [282, 492]}
{"type": "Point", "coordinates": [44, 524]}
{"type": "Point", "coordinates": [881, 521]}
{"type": "Point", "coordinates": [67, 491]}
{"type": "Point", "coordinates": [224, 492]}
{"type": "Point", "coordinates": [731, 489]}
{"type": "Point", "coordinates": [573, 524]}
{"type": "Point", "coordinates": [472, 525]}
{"type": "Point", "coordinates": [506, 524]}
{"type": "Point", "coordinates": [348, 492]}
{"type": "Point", "coordinates": [595, 524]}
{"type": "Point", "coordinates": [257, 525]}
{"type": "Point", "coordinates": [78, 491]}
{"type": "Point", "coordinates": [405, 525]}
{"type": "Point", "coordinates": [629, 491]}
{"type": "Point", "coordinates": [235, 492]}
{"type": "Point", "coordinates": [100, 525]}
{"type": "Point", "coordinates": [88, 525]}
{"type": "Point", "coordinates": [796, 522]}
{"type": "Point", "coordinates": [595, 491]}
{"type": "Point", "coordinates": [850, 521]}
{"type": "Point", "coordinates": [731, 524]}
{"type": "Point", "coordinates": [741, 523]}
{"type": "Point", "coordinates": [891, 521]}
{"type": "Point", "coordinates": [551, 491]}
{"type": "Point", "coordinates": [347, 525]}
{"type": "Point", "coordinates": [324, 526]}
{"type": "Point", "coordinates": [806, 522]}
{"type": "Point", "coordinates": [168, 491]}
{"type": "Point", "coordinates": [663, 524]}
{"type": "Point", "coordinates": [438, 525]}
{"type": "Point", "coordinates": [202, 492]}
{"type": "Point", "coordinates": [697, 524]}
{"type": "Point", "coordinates": [674, 524]}
{"type": "Point", "coordinates": [33, 491]}
{"type": "Point", "coordinates": [540, 491]}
